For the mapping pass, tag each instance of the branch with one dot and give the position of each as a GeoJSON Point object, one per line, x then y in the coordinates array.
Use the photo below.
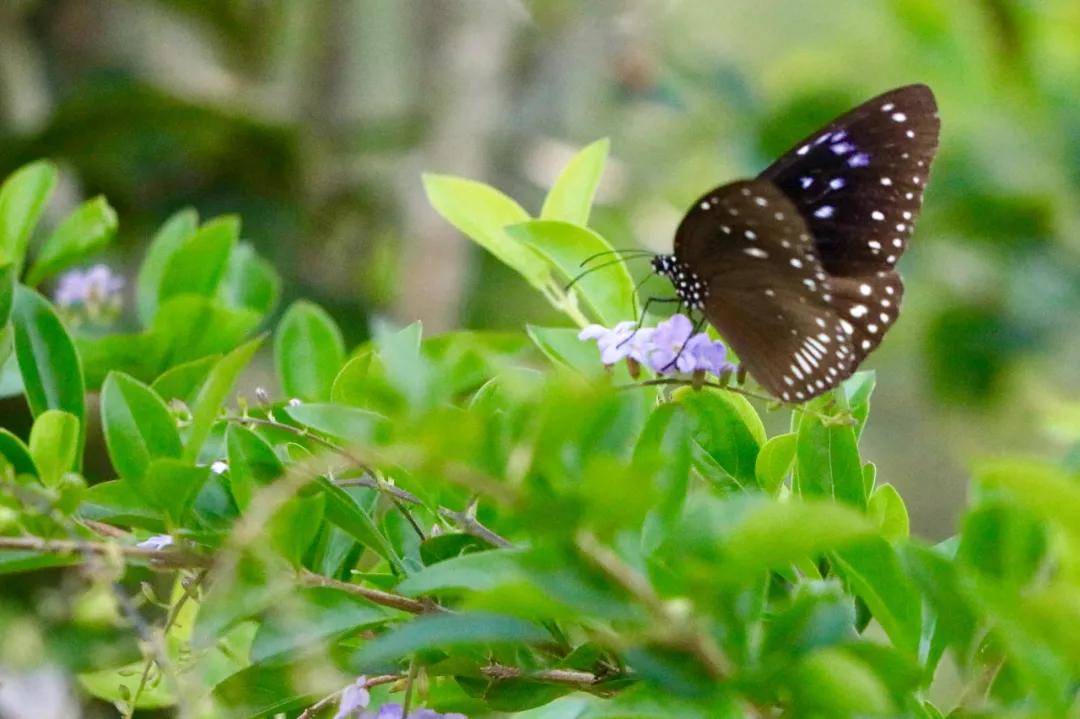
{"type": "Point", "coordinates": [326, 701]}
{"type": "Point", "coordinates": [376, 596]}
{"type": "Point", "coordinates": [166, 559]}
{"type": "Point", "coordinates": [468, 522]}
{"type": "Point", "coordinates": [572, 677]}
{"type": "Point", "coordinates": [678, 633]}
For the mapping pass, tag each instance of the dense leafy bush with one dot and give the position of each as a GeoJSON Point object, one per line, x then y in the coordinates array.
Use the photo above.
{"type": "Point", "coordinates": [473, 526]}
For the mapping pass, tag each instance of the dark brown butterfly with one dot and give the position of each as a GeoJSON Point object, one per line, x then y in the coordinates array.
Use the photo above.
{"type": "Point", "coordinates": [796, 268]}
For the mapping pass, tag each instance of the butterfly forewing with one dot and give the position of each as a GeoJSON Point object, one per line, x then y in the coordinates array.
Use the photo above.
{"type": "Point", "coordinates": [768, 294]}
{"type": "Point", "coordinates": [858, 182]}
{"type": "Point", "coordinates": [799, 265]}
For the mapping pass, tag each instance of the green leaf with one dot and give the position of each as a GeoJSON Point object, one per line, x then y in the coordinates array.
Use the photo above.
{"type": "Point", "coordinates": [252, 463]}
{"type": "Point", "coordinates": [214, 392]}
{"type": "Point", "coordinates": [827, 456]}
{"type": "Point", "coordinates": [171, 485]}
{"type": "Point", "coordinates": [774, 462]}
{"type": "Point", "coordinates": [818, 614]}
{"type": "Point", "coordinates": [199, 265]}
{"type": "Point", "coordinates": [768, 534]}
{"type": "Point", "coordinates": [48, 362]}
{"type": "Point", "coordinates": [85, 231]}
{"type": "Point", "coordinates": [610, 291]}
{"type": "Point", "coordinates": [138, 427]}
{"type": "Point", "coordinates": [54, 445]}
{"type": "Point", "coordinates": [182, 381]}
{"type": "Point", "coordinates": [482, 213]}
{"type": "Point", "coordinates": [351, 382]}
{"type": "Point", "coordinates": [446, 631]}
{"type": "Point", "coordinates": [324, 614]}
{"type": "Point", "coordinates": [833, 683]}
{"type": "Point", "coordinates": [172, 235]}
{"type": "Point", "coordinates": [951, 621]}
{"type": "Point", "coordinates": [562, 346]}
{"type": "Point", "coordinates": [308, 352]}
{"type": "Point", "coordinates": [477, 572]}
{"type": "Point", "coordinates": [1043, 488]}
{"type": "Point", "coordinates": [15, 451]}
{"type": "Point", "coordinates": [873, 571]}
{"type": "Point", "coordinates": [7, 299]}
{"type": "Point", "coordinates": [22, 198]}
{"type": "Point", "coordinates": [344, 511]}
{"type": "Point", "coordinates": [727, 428]}
{"type": "Point", "coordinates": [135, 354]}
{"type": "Point", "coordinates": [189, 327]}
{"type": "Point", "coordinates": [887, 509]}
{"type": "Point", "coordinates": [118, 502]}
{"type": "Point", "coordinates": [857, 390]}
{"type": "Point", "coordinates": [663, 448]}
{"type": "Point", "coordinates": [354, 425]}
{"type": "Point", "coordinates": [295, 525]}
{"type": "Point", "coordinates": [405, 366]}
{"type": "Point", "coordinates": [571, 197]}
{"type": "Point", "coordinates": [250, 281]}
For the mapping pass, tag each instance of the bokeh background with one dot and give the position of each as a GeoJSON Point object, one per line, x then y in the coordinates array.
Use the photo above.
{"type": "Point", "coordinates": [314, 119]}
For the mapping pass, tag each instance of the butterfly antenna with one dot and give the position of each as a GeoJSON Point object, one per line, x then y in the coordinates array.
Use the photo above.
{"type": "Point", "coordinates": [627, 251]}
{"type": "Point", "coordinates": [634, 294]}
{"type": "Point", "coordinates": [582, 274]}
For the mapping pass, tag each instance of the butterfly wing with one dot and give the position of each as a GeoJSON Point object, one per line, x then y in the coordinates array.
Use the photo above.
{"type": "Point", "coordinates": [858, 184]}
{"type": "Point", "coordinates": [768, 294]}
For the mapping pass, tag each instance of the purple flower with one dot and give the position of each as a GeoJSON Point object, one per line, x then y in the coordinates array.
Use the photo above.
{"type": "Point", "coordinates": [157, 542]}
{"type": "Point", "coordinates": [709, 355]}
{"type": "Point", "coordinates": [354, 699]}
{"type": "Point", "coordinates": [396, 711]}
{"type": "Point", "coordinates": [619, 342]}
{"type": "Point", "coordinates": [96, 286]}
{"type": "Point", "coordinates": [669, 348]}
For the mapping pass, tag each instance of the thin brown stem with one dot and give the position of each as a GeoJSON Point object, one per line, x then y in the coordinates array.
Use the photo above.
{"type": "Point", "coordinates": [376, 596]}
{"type": "Point", "coordinates": [164, 559]}
{"type": "Point", "coordinates": [570, 677]}
{"type": "Point", "coordinates": [328, 700]}
{"type": "Point", "coordinates": [682, 633]}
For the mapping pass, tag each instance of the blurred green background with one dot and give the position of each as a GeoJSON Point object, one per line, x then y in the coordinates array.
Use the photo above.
{"type": "Point", "coordinates": [313, 119]}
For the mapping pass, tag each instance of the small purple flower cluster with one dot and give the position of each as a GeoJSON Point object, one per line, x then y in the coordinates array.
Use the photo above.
{"type": "Point", "coordinates": [97, 285]}
{"type": "Point", "coordinates": [671, 347]}
{"type": "Point", "coordinates": [93, 294]}
{"type": "Point", "coordinates": [355, 698]}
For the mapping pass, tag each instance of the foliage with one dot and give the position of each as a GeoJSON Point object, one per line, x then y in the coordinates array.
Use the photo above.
{"type": "Point", "coordinates": [483, 525]}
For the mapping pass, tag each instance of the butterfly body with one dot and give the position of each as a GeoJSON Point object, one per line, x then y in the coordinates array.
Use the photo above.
{"type": "Point", "coordinates": [796, 268]}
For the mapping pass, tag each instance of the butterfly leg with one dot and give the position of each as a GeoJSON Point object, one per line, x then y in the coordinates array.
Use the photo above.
{"type": "Point", "coordinates": [645, 311]}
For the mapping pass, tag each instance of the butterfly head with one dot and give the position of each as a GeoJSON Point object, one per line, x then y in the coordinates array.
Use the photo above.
{"type": "Point", "coordinates": [688, 286]}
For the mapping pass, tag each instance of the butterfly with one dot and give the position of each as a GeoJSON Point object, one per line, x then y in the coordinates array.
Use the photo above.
{"type": "Point", "coordinates": [796, 269]}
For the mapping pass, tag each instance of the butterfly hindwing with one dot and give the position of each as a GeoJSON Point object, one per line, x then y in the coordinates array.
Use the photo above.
{"type": "Point", "coordinates": [768, 294]}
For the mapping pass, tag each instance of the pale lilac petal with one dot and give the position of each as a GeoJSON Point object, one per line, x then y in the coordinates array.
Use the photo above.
{"type": "Point", "coordinates": [593, 332]}
{"type": "Point", "coordinates": [157, 542]}
{"type": "Point", "coordinates": [354, 699]}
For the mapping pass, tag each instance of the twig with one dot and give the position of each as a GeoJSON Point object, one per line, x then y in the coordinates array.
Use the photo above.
{"type": "Point", "coordinates": [802, 408]}
{"type": "Point", "coordinates": [376, 596]}
{"type": "Point", "coordinates": [166, 559]}
{"type": "Point", "coordinates": [573, 677]}
{"type": "Point", "coordinates": [326, 701]}
{"type": "Point", "coordinates": [410, 681]}
{"type": "Point", "coordinates": [174, 612]}
{"type": "Point", "coordinates": [372, 483]}
{"type": "Point", "coordinates": [698, 641]}
{"type": "Point", "coordinates": [267, 422]}
{"type": "Point", "coordinates": [471, 525]}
